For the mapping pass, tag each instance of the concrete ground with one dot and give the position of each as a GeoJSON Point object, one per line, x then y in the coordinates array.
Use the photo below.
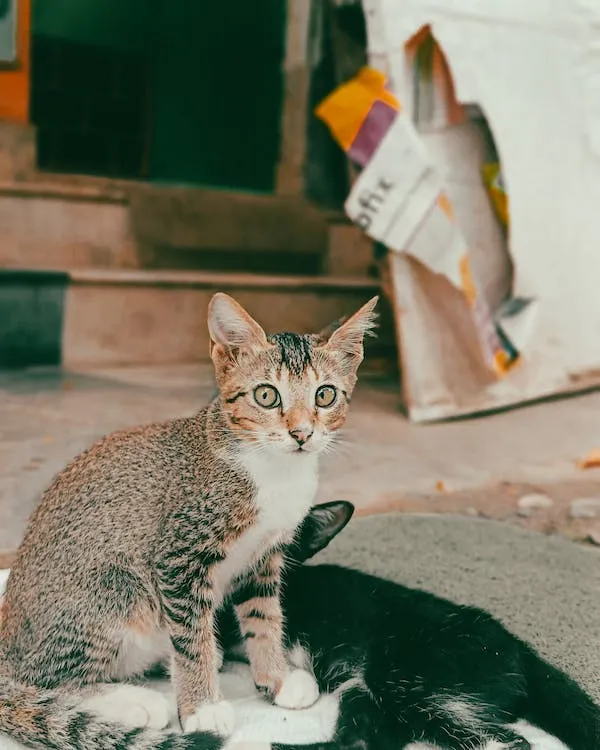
{"type": "Point", "coordinates": [488, 467]}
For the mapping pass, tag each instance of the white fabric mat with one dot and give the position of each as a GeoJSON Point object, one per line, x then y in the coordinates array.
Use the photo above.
{"type": "Point", "coordinates": [258, 723]}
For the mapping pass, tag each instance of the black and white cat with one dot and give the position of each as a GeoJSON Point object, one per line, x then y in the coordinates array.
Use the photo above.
{"type": "Point", "coordinates": [409, 666]}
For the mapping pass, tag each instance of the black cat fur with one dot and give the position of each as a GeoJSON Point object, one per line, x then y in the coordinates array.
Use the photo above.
{"type": "Point", "coordinates": [409, 666]}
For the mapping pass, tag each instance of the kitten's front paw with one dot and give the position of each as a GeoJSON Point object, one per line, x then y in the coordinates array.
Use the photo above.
{"type": "Point", "coordinates": [211, 717]}
{"type": "Point", "coordinates": [298, 690]}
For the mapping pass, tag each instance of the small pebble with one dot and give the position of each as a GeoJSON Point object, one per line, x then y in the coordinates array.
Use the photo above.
{"type": "Point", "coordinates": [585, 507]}
{"type": "Point", "coordinates": [535, 501]}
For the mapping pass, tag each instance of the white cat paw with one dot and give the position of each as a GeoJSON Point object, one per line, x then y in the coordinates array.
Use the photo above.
{"type": "Point", "coordinates": [211, 717]}
{"type": "Point", "coordinates": [299, 690]}
{"type": "Point", "coordinates": [131, 705]}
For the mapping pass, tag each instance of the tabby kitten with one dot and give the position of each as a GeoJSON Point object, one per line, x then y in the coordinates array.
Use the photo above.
{"type": "Point", "coordinates": [409, 666]}
{"type": "Point", "coordinates": [139, 539]}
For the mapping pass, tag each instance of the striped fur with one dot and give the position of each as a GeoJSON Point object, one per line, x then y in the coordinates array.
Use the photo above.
{"type": "Point", "coordinates": [294, 351]}
{"type": "Point", "coordinates": [46, 719]}
{"type": "Point", "coordinates": [139, 539]}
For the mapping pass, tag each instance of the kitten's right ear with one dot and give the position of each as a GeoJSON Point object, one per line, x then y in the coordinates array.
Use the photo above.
{"type": "Point", "coordinates": [321, 525]}
{"type": "Point", "coordinates": [231, 328]}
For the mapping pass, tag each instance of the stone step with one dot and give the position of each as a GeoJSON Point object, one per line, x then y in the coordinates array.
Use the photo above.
{"type": "Point", "coordinates": [58, 225]}
{"type": "Point", "coordinates": [51, 226]}
{"type": "Point", "coordinates": [214, 230]}
{"type": "Point", "coordinates": [120, 317]}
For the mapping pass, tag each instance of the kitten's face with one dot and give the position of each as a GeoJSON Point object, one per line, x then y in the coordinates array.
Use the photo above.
{"type": "Point", "coordinates": [285, 393]}
{"type": "Point", "coordinates": [290, 396]}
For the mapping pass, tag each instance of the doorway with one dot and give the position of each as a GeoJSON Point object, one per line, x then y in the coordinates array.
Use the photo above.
{"type": "Point", "coordinates": [174, 91]}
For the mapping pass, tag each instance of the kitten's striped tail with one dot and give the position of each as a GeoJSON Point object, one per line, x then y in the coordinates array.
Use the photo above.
{"type": "Point", "coordinates": [43, 719]}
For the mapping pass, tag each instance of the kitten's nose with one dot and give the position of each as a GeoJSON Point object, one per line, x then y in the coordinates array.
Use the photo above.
{"type": "Point", "coordinates": [301, 434]}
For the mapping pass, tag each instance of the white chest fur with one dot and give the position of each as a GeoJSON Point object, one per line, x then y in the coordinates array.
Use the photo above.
{"type": "Point", "coordinates": [286, 488]}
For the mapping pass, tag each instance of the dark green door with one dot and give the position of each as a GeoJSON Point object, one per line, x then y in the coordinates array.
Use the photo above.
{"type": "Point", "coordinates": [217, 94]}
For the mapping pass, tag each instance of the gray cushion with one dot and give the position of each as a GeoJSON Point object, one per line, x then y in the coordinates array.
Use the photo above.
{"type": "Point", "coordinates": [544, 589]}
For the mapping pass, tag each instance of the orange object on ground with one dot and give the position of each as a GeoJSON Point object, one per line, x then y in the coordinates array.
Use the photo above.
{"type": "Point", "coordinates": [591, 460]}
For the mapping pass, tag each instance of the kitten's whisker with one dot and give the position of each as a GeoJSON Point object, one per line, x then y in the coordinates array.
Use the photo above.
{"type": "Point", "coordinates": [336, 445]}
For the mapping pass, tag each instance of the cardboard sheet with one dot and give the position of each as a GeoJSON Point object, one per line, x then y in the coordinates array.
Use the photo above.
{"type": "Point", "coordinates": [535, 281]}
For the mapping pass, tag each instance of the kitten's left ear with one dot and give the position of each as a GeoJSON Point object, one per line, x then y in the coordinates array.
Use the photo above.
{"type": "Point", "coordinates": [348, 337]}
{"type": "Point", "coordinates": [321, 525]}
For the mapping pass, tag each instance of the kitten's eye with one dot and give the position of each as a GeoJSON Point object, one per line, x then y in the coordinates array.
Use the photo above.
{"type": "Point", "coordinates": [267, 396]}
{"type": "Point", "coordinates": [325, 396]}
